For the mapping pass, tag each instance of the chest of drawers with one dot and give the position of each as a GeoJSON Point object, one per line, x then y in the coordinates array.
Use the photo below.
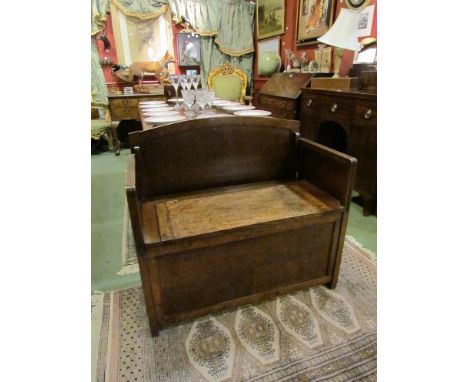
{"type": "Point", "coordinates": [346, 120]}
{"type": "Point", "coordinates": [123, 107]}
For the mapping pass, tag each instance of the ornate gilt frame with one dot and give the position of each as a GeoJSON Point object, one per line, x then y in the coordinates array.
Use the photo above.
{"type": "Point", "coordinates": [229, 69]}
{"type": "Point", "coordinates": [329, 21]}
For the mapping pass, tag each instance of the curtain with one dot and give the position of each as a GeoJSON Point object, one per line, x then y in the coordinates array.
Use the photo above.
{"type": "Point", "coordinates": [98, 82]}
{"type": "Point", "coordinates": [141, 9]}
{"type": "Point", "coordinates": [98, 15]}
{"type": "Point", "coordinates": [226, 30]}
{"type": "Point", "coordinates": [203, 15]}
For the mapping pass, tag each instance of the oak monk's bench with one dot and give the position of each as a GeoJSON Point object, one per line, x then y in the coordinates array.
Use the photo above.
{"type": "Point", "coordinates": [233, 210]}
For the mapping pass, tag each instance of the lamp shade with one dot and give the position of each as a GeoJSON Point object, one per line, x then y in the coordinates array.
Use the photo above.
{"type": "Point", "coordinates": [344, 32]}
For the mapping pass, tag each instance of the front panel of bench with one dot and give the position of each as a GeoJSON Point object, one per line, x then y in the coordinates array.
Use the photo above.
{"type": "Point", "coordinates": [197, 282]}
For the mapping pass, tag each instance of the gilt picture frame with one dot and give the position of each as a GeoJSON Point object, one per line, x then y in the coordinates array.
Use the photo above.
{"type": "Point", "coordinates": [270, 18]}
{"type": "Point", "coordinates": [314, 19]}
{"type": "Point", "coordinates": [141, 40]}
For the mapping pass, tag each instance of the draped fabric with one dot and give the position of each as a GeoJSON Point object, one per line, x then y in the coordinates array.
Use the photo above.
{"type": "Point", "coordinates": [235, 33]}
{"type": "Point", "coordinates": [98, 82]}
{"type": "Point", "coordinates": [226, 30]}
{"type": "Point", "coordinates": [98, 15]}
{"type": "Point", "coordinates": [141, 9]}
{"type": "Point", "coordinates": [203, 15]}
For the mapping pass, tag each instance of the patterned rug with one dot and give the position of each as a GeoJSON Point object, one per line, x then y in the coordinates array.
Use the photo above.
{"type": "Point", "coordinates": [313, 335]}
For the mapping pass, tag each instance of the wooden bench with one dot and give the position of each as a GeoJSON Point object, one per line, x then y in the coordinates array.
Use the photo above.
{"type": "Point", "coordinates": [231, 211]}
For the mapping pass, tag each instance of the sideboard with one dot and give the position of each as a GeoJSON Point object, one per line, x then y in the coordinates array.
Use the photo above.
{"type": "Point", "coordinates": [124, 107]}
{"type": "Point", "coordinates": [346, 120]}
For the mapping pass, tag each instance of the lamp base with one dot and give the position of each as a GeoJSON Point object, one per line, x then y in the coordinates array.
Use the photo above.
{"type": "Point", "coordinates": [334, 83]}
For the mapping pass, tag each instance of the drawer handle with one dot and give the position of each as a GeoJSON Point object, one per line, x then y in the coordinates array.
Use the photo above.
{"type": "Point", "coordinates": [368, 114]}
{"type": "Point", "coordinates": [309, 102]}
{"type": "Point", "coordinates": [125, 101]}
{"type": "Point", "coordinates": [334, 108]}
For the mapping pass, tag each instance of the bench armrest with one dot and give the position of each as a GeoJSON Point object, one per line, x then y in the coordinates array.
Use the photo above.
{"type": "Point", "coordinates": [134, 205]}
{"type": "Point", "coordinates": [328, 169]}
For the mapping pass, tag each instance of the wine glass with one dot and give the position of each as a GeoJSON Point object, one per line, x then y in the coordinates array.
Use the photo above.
{"type": "Point", "coordinates": [183, 81]}
{"type": "Point", "coordinates": [196, 80]}
{"type": "Point", "coordinates": [201, 98]}
{"type": "Point", "coordinates": [210, 97]}
{"type": "Point", "coordinates": [189, 82]}
{"type": "Point", "coordinates": [175, 82]}
{"type": "Point", "coordinates": [189, 98]}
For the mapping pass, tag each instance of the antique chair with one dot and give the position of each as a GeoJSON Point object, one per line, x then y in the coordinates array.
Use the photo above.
{"type": "Point", "coordinates": [229, 82]}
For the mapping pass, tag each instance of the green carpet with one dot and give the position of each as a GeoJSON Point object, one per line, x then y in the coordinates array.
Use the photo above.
{"type": "Point", "coordinates": [107, 213]}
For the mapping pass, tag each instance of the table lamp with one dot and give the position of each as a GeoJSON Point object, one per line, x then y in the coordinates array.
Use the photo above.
{"type": "Point", "coordinates": [343, 35]}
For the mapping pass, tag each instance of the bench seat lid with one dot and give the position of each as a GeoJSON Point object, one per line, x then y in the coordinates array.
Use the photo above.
{"type": "Point", "coordinates": [236, 207]}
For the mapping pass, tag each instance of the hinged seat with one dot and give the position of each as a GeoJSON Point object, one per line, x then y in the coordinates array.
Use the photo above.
{"type": "Point", "coordinates": [233, 210]}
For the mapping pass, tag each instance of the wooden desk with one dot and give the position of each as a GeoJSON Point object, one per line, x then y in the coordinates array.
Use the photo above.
{"type": "Point", "coordinates": [123, 107]}
{"type": "Point", "coordinates": [346, 120]}
{"type": "Point", "coordinates": [281, 94]}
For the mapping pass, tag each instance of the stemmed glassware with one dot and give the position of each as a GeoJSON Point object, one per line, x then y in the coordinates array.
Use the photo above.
{"type": "Point", "coordinates": [201, 98]}
{"type": "Point", "coordinates": [189, 98]}
{"type": "Point", "coordinates": [210, 97]}
{"type": "Point", "coordinates": [196, 80]}
{"type": "Point", "coordinates": [189, 82]}
{"type": "Point", "coordinates": [186, 81]}
{"type": "Point", "coordinates": [183, 81]}
{"type": "Point", "coordinates": [175, 79]}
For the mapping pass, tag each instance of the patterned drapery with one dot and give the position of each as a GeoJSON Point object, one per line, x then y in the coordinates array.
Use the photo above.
{"type": "Point", "coordinates": [98, 82]}
{"type": "Point", "coordinates": [226, 30]}
{"type": "Point", "coordinates": [141, 9]}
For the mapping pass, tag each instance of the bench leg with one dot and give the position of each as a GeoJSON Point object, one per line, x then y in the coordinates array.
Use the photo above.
{"type": "Point", "coordinates": [332, 284]}
{"type": "Point", "coordinates": [154, 329]}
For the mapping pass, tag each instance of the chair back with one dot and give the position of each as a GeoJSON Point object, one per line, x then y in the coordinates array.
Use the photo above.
{"type": "Point", "coordinates": [229, 82]}
{"type": "Point", "coordinates": [216, 152]}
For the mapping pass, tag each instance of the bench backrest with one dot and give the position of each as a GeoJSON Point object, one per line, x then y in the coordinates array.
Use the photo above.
{"type": "Point", "coordinates": [216, 152]}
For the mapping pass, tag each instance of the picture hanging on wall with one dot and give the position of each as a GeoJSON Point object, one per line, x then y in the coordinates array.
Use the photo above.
{"type": "Point", "coordinates": [366, 20]}
{"type": "Point", "coordinates": [141, 40]}
{"type": "Point", "coordinates": [188, 49]}
{"type": "Point", "coordinates": [314, 18]}
{"type": "Point", "coordinates": [270, 18]}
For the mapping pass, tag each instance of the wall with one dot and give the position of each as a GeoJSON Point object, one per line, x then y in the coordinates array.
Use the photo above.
{"type": "Point", "coordinates": [288, 40]}
{"type": "Point", "coordinates": [111, 80]}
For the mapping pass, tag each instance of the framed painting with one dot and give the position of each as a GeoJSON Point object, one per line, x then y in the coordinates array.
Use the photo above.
{"type": "Point", "coordinates": [270, 18]}
{"type": "Point", "coordinates": [314, 18]}
{"type": "Point", "coordinates": [141, 40]}
{"type": "Point", "coordinates": [366, 20]}
{"type": "Point", "coordinates": [188, 49]}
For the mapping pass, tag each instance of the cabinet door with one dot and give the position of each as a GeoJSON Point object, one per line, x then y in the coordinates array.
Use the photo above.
{"type": "Point", "coordinates": [310, 106]}
{"type": "Point", "coordinates": [363, 146]}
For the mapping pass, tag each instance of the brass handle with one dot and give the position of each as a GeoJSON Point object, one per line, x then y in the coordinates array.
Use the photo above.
{"type": "Point", "coordinates": [309, 102]}
{"type": "Point", "coordinates": [334, 108]}
{"type": "Point", "coordinates": [368, 114]}
{"type": "Point", "coordinates": [125, 101]}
